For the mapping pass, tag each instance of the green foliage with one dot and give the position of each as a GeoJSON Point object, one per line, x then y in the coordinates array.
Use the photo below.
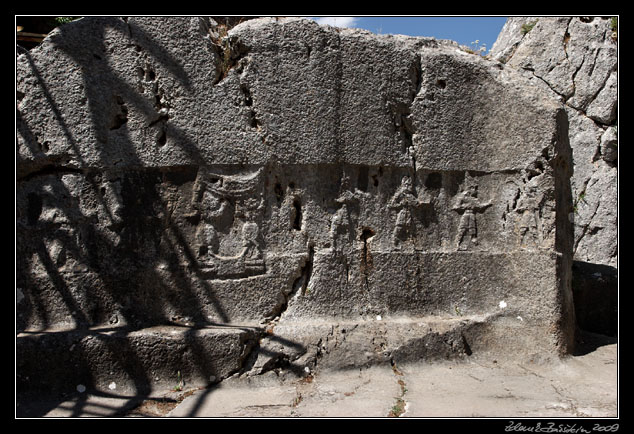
{"type": "Point", "coordinates": [528, 27]}
{"type": "Point", "coordinates": [614, 25]}
{"type": "Point", "coordinates": [581, 198]}
{"type": "Point", "coordinates": [398, 408]}
{"type": "Point", "coordinates": [180, 384]}
{"type": "Point", "coordinates": [63, 20]}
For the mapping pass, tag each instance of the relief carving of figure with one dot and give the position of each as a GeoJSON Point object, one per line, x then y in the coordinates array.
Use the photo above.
{"type": "Point", "coordinates": [248, 262]}
{"type": "Point", "coordinates": [468, 204]}
{"type": "Point", "coordinates": [223, 202]}
{"type": "Point", "coordinates": [211, 209]}
{"type": "Point", "coordinates": [404, 200]}
{"type": "Point", "coordinates": [338, 224]}
{"type": "Point", "coordinates": [341, 223]}
{"type": "Point", "coordinates": [251, 249]}
{"type": "Point", "coordinates": [529, 221]}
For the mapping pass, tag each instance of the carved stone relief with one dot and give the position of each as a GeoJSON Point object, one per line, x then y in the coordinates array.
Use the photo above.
{"type": "Point", "coordinates": [404, 202]}
{"type": "Point", "coordinates": [468, 204]}
{"type": "Point", "coordinates": [528, 209]}
{"type": "Point", "coordinates": [343, 223]}
{"type": "Point", "coordinates": [229, 207]}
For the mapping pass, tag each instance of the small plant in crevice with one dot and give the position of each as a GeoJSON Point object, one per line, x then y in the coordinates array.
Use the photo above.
{"type": "Point", "coordinates": [297, 400]}
{"type": "Point", "coordinates": [218, 37]}
{"type": "Point", "coordinates": [478, 48]}
{"type": "Point", "coordinates": [181, 383]}
{"type": "Point", "coordinates": [228, 51]}
{"type": "Point", "coordinates": [614, 26]}
{"type": "Point", "coordinates": [400, 405]}
{"type": "Point", "coordinates": [527, 27]}
{"type": "Point", "coordinates": [398, 408]}
{"type": "Point", "coordinates": [581, 198]}
{"type": "Point", "coordinates": [63, 20]}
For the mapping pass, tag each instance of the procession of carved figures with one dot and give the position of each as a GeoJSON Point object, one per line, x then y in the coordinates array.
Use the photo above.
{"type": "Point", "coordinates": [222, 200]}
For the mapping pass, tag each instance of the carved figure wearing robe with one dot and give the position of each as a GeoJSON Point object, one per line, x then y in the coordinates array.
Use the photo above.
{"type": "Point", "coordinates": [404, 200]}
{"type": "Point", "coordinates": [468, 204]}
{"type": "Point", "coordinates": [211, 209]}
{"type": "Point", "coordinates": [341, 223]}
{"type": "Point", "coordinates": [529, 222]}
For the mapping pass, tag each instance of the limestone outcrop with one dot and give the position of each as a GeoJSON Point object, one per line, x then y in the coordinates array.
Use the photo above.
{"type": "Point", "coordinates": [576, 59]}
{"type": "Point", "coordinates": [281, 194]}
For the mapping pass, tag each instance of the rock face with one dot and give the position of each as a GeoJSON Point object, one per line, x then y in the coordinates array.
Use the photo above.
{"type": "Point", "coordinates": [575, 58]}
{"type": "Point", "coordinates": [282, 194]}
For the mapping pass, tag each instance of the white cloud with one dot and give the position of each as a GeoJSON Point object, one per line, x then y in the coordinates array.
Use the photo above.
{"type": "Point", "coordinates": [337, 21]}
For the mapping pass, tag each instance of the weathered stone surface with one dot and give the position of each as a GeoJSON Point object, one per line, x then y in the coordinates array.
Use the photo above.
{"type": "Point", "coordinates": [285, 175]}
{"type": "Point", "coordinates": [585, 48]}
{"type": "Point", "coordinates": [576, 58]}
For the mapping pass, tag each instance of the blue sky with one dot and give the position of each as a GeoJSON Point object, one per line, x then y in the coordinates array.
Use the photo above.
{"type": "Point", "coordinates": [464, 30]}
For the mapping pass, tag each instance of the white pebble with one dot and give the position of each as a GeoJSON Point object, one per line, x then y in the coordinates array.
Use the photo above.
{"type": "Point", "coordinates": [502, 304]}
{"type": "Point", "coordinates": [112, 386]}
